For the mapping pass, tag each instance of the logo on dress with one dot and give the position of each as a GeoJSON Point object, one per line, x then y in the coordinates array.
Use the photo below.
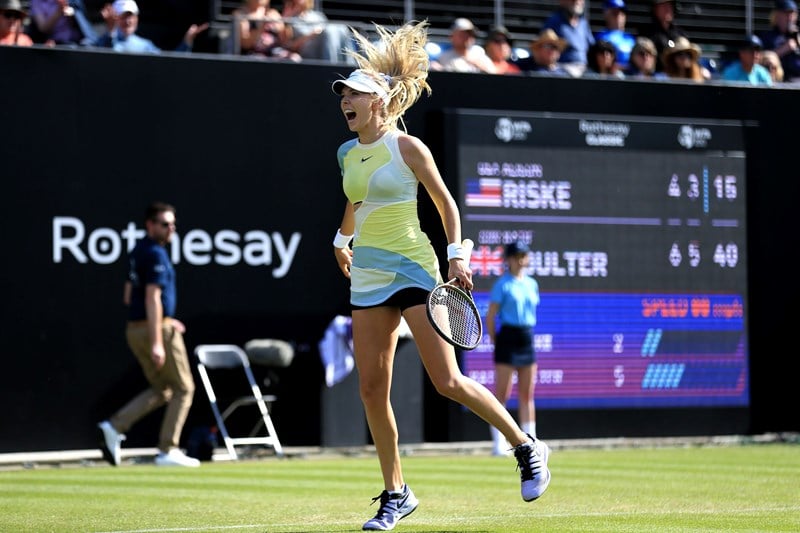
{"type": "Point", "coordinates": [365, 158]}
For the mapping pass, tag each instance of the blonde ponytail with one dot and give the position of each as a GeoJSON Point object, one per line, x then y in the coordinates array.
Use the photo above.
{"type": "Point", "coordinates": [398, 62]}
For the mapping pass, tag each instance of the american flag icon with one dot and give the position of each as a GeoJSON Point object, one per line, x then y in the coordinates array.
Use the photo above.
{"type": "Point", "coordinates": [484, 192]}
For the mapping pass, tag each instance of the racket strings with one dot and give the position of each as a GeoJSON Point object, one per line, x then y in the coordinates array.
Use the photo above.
{"type": "Point", "coordinates": [454, 313]}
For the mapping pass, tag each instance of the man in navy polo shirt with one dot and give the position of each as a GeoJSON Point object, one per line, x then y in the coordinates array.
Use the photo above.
{"type": "Point", "coordinates": [155, 337]}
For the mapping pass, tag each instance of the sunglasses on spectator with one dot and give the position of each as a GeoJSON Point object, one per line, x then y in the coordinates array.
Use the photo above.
{"type": "Point", "coordinates": [11, 15]}
{"type": "Point", "coordinates": [549, 46]}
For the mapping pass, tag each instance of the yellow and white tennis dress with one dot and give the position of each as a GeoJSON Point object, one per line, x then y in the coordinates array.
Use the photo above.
{"type": "Point", "coordinates": [390, 250]}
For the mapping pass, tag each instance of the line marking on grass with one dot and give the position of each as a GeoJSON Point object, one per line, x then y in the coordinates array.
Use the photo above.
{"type": "Point", "coordinates": [432, 521]}
{"type": "Point", "coordinates": [218, 528]}
{"type": "Point", "coordinates": [209, 528]}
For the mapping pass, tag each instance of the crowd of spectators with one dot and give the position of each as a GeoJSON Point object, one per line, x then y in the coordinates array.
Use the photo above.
{"type": "Point", "coordinates": [659, 50]}
{"type": "Point", "coordinates": [565, 45]}
{"type": "Point", "coordinates": [65, 23]}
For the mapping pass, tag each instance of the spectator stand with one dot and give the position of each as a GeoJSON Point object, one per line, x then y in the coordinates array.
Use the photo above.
{"type": "Point", "coordinates": [715, 25]}
{"type": "Point", "coordinates": [226, 29]}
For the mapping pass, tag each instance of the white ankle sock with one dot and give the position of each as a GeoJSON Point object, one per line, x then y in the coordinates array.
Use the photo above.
{"type": "Point", "coordinates": [498, 439]}
{"type": "Point", "coordinates": [529, 428]}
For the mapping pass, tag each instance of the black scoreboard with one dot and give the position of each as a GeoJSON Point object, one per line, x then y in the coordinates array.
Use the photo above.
{"type": "Point", "coordinates": [638, 236]}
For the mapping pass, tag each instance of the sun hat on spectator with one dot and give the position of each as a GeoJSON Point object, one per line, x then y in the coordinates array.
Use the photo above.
{"type": "Point", "coordinates": [498, 31]}
{"type": "Point", "coordinates": [12, 5]}
{"type": "Point", "coordinates": [548, 36]}
{"type": "Point", "coordinates": [463, 24]}
{"type": "Point", "coordinates": [681, 44]}
{"type": "Point", "coordinates": [785, 5]}
{"type": "Point", "coordinates": [363, 83]}
{"type": "Point", "coordinates": [646, 45]}
{"type": "Point", "coordinates": [125, 6]}
{"type": "Point", "coordinates": [615, 4]}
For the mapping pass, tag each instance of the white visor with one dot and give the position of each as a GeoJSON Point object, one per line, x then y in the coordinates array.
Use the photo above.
{"type": "Point", "coordinates": [361, 82]}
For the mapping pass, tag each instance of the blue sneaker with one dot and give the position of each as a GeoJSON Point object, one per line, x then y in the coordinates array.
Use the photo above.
{"type": "Point", "coordinates": [532, 464]}
{"type": "Point", "coordinates": [394, 506]}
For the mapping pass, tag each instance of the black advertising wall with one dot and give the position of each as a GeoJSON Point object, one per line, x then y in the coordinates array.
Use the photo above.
{"type": "Point", "coordinates": [246, 151]}
{"type": "Point", "coordinates": [239, 150]}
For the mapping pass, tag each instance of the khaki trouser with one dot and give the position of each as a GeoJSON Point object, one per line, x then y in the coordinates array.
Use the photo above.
{"type": "Point", "coordinates": [172, 384]}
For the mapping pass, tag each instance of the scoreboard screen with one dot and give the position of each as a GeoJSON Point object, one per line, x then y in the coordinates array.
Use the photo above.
{"type": "Point", "coordinates": [637, 230]}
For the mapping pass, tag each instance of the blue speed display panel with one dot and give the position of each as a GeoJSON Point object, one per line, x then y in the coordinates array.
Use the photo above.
{"type": "Point", "coordinates": [628, 350]}
{"type": "Point", "coordinates": [638, 237]}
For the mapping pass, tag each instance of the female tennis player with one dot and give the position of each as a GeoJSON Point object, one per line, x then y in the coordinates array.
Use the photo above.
{"type": "Point", "coordinates": [392, 264]}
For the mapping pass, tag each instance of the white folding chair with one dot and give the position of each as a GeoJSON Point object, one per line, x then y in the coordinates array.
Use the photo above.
{"type": "Point", "coordinates": [221, 356]}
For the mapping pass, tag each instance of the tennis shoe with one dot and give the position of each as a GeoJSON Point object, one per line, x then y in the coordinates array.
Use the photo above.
{"type": "Point", "coordinates": [532, 464]}
{"type": "Point", "coordinates": [394, 507]}
{"type": "Point", "coordinates": [175, 457]}
{"type": "Point", "coordinates": [110, 442]}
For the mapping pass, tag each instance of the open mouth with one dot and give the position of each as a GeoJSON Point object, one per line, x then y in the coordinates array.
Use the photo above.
{"type": "Point", "coordinates": [350, 115]}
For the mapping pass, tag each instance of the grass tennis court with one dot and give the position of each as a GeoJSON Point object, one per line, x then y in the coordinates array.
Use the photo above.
{"type": "Point", "coordinates": [748, 488]}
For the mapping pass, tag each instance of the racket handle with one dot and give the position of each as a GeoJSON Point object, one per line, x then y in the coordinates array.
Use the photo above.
{"type": "Point", "coordinates": [468, 246]}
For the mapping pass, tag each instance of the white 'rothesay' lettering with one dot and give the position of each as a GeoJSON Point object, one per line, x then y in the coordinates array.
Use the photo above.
{"type": "Point", "coordinates": [197, 247]}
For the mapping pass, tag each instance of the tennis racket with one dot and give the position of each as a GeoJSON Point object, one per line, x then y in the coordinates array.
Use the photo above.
{"type": "Point", "coordinates": [453, 312]}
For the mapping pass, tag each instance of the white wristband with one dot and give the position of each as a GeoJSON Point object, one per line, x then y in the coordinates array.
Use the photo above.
{"type": "Point", "coordinates": [341, 241]}
{"type": "Point", "coordinates": [455, 251]}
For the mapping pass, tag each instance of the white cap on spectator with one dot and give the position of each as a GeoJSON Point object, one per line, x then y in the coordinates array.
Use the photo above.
{"type": "Point", "coordinates": [463, 24]}
{"type": "Point", "coordinates": [361, 82]}
{"type": "Point", "coordinates": [125, 6]}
